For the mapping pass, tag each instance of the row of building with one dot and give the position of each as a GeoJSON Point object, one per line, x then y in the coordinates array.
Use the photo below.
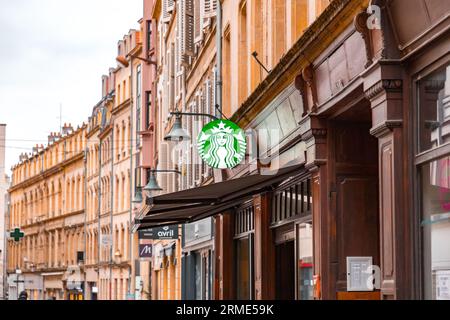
{"type": "Point", "coordinates": [344, 104]}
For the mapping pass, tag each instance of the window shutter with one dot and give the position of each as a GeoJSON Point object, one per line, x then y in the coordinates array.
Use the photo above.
{"type": "Point", "coordinates": [170, 5]}
{"type": "Point", "coordinates": [209, 7]}
{"type": "Point", "coordinates": [165, 11]}
{"type": "Point", "coordinates": [207, 97]}
{"type": "Point", "coordinates": [186, 30]}
{"type": "Point", "coordinates": [213, 92]}
{"type": "Point", "coordinates": [198, 11]}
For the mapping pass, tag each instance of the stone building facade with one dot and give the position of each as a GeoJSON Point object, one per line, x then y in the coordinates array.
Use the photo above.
{"type": "Point", "coordinates": [47, 205]}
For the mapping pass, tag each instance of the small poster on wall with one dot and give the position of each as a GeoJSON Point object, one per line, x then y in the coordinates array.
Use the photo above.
{"type": "Point", "coordinates": [443, 285]}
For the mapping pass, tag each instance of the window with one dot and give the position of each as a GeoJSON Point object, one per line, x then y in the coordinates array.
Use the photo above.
{"type": "Point", "coordinates": [149, 34]}
{"type": "Point", "coordinates": [435, 223]}
{"type": "Point", "coordinates": [433, 116]}
{"type": "Point", "coordinates": [148, 99]}
{"type": "Point", "coordinates": [244, 54]}
{"type": "Point", "coordinates": [138, 104]}
{"type": "Point", "coordinates": [292, 201]}
{"type": "Point", "coordinates": [186, 29]}
{"type": "Point", "coordinates": [198, 23]}
{"type": "Point", "coordinates": [244, 239]}
{"type": "Point", "coordinates": [278, 30]}
{"type": "Point", "coordinates": [434, 109]}
{"type": "Point", "coordinates": [226, 103]}
{"type": "Point", "coordinates": [305, 261]}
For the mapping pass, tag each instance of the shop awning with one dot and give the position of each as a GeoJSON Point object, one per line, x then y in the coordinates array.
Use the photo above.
{"type": "Point", "coordinates": [198, 203]}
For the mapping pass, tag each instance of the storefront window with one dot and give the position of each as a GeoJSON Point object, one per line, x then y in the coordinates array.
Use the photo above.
{"type": "Point", "coordinates": [198, 276]}
{"type": "Point", "coordinates": [244, 252]}
{"type": "Point", "coordinates": [434, 109]}
{"type": "Point", "coordinates": [435, 177]}
{"type": "Point", "coordinates": [305, 261]}
{"type": "Point", "coordinates": [243, 234]}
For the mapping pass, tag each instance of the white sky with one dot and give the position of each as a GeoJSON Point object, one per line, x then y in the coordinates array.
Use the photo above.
{"type": "Point", "coordinates": [54, 52]}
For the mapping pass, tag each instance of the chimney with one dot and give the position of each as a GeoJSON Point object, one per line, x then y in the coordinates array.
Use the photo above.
{"type": "Point", "coordinates": [67, 129]}
{"type": "Point", "coordinates": [51, 138]}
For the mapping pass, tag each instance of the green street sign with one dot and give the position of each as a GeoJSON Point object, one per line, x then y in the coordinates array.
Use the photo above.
{"type": "Point", "coordinates": [17, 234]}
{"type": "Point", "coordinates": [221, 144]}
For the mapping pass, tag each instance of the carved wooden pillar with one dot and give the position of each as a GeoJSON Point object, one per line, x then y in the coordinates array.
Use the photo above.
{"type": "Point", "coordinates": [383, 87]}
{"type": "Point", "coordinates": [314, 133]}
{"type": "Point", "coordinates": [264, 249]}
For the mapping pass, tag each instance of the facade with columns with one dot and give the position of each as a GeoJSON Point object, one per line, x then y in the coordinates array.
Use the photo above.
{"type": "Point", "coordinates": [47, 205]}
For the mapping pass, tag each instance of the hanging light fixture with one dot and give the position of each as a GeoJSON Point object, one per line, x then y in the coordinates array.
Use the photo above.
{"type": "Point", "coordinates": [138, 196]}
{"type": "Point", "coordinates": [152, 184]}
{"type": "Point", "coordinates": [177, 133]}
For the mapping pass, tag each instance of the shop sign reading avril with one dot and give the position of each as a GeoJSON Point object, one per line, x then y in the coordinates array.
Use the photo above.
{"type": "Point", "coordinates": [160, 233]}
{"type": "Point", "coordinates": [221, 144]}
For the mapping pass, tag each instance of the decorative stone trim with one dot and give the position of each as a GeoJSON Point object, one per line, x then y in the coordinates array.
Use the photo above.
{"type": "Point", "coordinates": [300, 85]}
{"type": "Point", "coordinates": [386, 127]}
{"type": "Point", "coordinates": [314, 133]}
{"type": "Point", "coordinates": [360, 23]}
{"type": "Point", "coordinates": [388, 85]}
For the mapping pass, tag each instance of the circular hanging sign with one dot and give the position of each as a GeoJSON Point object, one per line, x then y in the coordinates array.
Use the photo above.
{"type": "Point", "coordinates": [221, 144]}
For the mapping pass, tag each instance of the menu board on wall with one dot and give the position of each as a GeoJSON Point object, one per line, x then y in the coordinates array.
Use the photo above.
{"type": "Point", "coordinates": [443, 285]}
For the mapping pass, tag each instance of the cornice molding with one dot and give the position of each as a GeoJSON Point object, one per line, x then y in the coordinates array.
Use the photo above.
{"type": "Point", "coordinates": [386, 127]}
{"type": "Point", "coordinates": [385, 85]}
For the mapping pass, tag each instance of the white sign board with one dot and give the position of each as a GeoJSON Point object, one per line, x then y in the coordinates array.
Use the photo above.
{"type": "Point", "coordinates": [106, 240]}
{"type": "Point", "coordinates": [443, 285]}
{"type": "Point", "coordinates": [138, 285]}
{"type": "Point", "coordinates": [359, 274]}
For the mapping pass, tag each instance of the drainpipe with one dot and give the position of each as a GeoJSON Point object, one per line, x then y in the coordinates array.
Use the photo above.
{"type": "Point", "coordinates": [219, 60]}
{"type": "Point", "coordinates": [219, 87]}
{"type": "Point", "coordinates": [85, 220]}
{"type": "Point", "coordinates": [99, 194]}
{"type": "Point", "coordinates": [111, 203]}
{"type": "Point", "coordinates": [130, 245]}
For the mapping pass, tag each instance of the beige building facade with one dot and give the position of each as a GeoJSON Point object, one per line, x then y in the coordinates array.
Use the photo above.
{"type": "Point", "coordinates": [47, 205]}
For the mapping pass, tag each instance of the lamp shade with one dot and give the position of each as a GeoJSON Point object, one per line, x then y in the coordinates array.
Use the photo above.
{"type": "Point", "coordinates": [152, 184]}
{"type": "Point", "coordinates": [138, 196]}
{"type": "Point", "coordinates": [177, 133]}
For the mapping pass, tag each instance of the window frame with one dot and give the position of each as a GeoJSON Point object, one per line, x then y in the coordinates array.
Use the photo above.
{"type": "Point", "coordinates": [421, 159]}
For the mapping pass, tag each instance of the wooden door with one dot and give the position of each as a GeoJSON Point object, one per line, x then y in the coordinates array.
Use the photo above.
{"type": "Point", "coordinates": [285, 271]}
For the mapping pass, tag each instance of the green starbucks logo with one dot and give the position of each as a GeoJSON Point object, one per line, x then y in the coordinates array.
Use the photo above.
{"type": "Point", "coordinates": [221, 144]}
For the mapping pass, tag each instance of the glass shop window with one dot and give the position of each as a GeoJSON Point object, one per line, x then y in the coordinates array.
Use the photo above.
{"type": "Point", "coordinates": [435, 224]}
{"type": "Point", "coordinates": [243, 230]}
{"type": "Point", "coordinates": [434, 109]}
{"type": "Point", "coordinates": [305, 269]}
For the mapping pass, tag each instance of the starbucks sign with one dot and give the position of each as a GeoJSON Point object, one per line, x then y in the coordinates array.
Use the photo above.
{"type": "Point", "coordinates": [221, 144]}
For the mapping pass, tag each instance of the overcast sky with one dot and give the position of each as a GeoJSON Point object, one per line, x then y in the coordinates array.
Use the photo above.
{"type": "Point", "coordinates": [54, 52]}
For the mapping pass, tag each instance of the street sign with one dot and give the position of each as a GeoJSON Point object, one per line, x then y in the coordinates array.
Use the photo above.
{"type": "Point", "coordinates": [160, 233]}
{"type": "Point", "coordinates": [17, 235]}
{"type": "Point", "coordinates": [145, 250]}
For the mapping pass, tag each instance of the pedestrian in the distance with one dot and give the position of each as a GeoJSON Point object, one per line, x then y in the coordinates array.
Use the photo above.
{"type": "Point", "coordinates": [23, 295]}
